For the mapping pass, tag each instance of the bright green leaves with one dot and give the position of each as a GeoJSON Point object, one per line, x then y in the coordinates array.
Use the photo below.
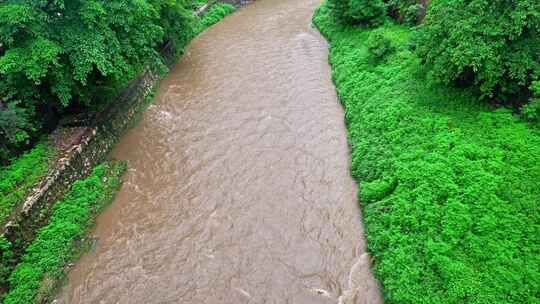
{"type": "Point", "coordinates": [531, 111]}
{"type": "Point", "coordinates": [91, 12]}
{"type": "Point", "coordinates": [20, 176]}
{"type": "Point", "coordinates": [33, 60]}
{"type": "Point", "coordinates": [14, 18]}
{"type": "Point", "coordinates": [54, 245]}
{"type": "Point", "coordinates": [214, 15]}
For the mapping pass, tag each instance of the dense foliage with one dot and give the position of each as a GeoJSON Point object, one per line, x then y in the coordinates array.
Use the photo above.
{"type": "Point", "coordinates": [498, 50]}
{"type": "Point", "coordinates": [56, 55]}
{"type": "Point", "coordinates": [20, 176]}
{"type": "Point", "coordinates": [54, 246]}
{"type": "Point", "coordinates": [450, 188]}
{"type": "Point", "coordinates": [531, 111]}
{"type": "Point", "coordinates": [16, 180]}
{"type": "Point", "coordinates": [6, 260]}
{"type": "Point", "coordinates": [363, 12]}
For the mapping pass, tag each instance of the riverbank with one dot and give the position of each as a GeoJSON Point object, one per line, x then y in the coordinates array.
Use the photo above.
{"type": "Point", "coordinates": [35, 183]}
{"type": "Point", "coordinates": [449, 187]}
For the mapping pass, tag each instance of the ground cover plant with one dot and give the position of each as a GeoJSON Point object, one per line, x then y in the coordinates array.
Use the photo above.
{"type": "Point", "coordinates": [60, 57]}
{"type": "Point", "coordinates": [450, 186]}
{"type": "Point", "coordinates": [21, 176]}
{"type": "Point", "coordinates": [33, 280]}
{"type": "Point", "coordinates": [497, 52]}
{"type": "Point", "coordinates": [214, 14]}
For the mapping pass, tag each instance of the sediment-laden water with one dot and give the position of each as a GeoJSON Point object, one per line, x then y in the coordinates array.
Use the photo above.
{"type": "Point", "coordinates": [239, 188]}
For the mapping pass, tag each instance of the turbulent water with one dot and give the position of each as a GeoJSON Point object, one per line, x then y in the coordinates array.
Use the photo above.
{"type": "Point", "coordinates": [239, 188]}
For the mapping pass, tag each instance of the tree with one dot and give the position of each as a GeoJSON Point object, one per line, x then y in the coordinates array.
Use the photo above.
{"type": "Point", "coordinates": [491, 44]}
{"type": "Point", "coordinates": [77, 53]}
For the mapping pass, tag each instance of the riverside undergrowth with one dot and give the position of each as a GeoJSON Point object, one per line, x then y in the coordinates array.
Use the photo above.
{"type": "Point", "coordinates": [17, 178]}
{"type": "Point", "coordinates": [43, 264]}
{"type": "Point", "coordinates": [450, 188]}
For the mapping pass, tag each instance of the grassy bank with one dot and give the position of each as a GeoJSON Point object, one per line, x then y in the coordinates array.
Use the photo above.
{"type": "Point", "coordinates": [450, 188]}
{"type": "Point", "coordinates": [43, 264]}
{"type": "Point", "coordinates": [20, 176]}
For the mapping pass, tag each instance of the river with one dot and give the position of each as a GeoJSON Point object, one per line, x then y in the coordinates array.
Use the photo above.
{"type": "Point", "coordinates": [239, 188]}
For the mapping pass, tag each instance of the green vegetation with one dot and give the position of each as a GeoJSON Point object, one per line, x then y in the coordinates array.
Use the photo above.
{"type": "Point", "coordinates": [34, 279]}
{"type": "Point", "coordinates": [364, 12]}
{"type": "Point", "coordinates": [6, 260]}
{"type": "Point", "coordinates": [59, 57]}
{"type": "Point", "coordinates": [20, 176]}
{"type": "Point", "coordinates": [217, 12]}
{"type": "Point", "coordinates": [497, 51]}
{"type": "Point", "coordinates": [16, 181]}
{"type": "Point", "coordinates": [374, 12]}
{"type": "Point", "coordinates": [450, 187]}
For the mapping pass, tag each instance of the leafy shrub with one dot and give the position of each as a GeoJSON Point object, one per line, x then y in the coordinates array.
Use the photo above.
{"type": "Point", "coordinates": [414, 13]}
{"type": "Point", "coordinates": [406, 11]}
{"type": "Point", "coordinates": [53, 246]}
{"type": "Point", "coordinates": [496, 50]}
{"type": "Point", "coordinates": [217, 12]}
{"type": "Point", "coordinates": [364, 12]}
{"type": "Point", "coordinates": [531, 111]}
{"type": "Point", "coordinates": [379, 46]}
{"type": "Point", "coordinates": [450, 188]}
{"type": "Point", "coordinates": [15, 129]}
{"type": "Point", "coordinates": [6, 256]}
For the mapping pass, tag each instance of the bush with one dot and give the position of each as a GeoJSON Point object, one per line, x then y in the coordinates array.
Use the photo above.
{"type": "Point", "coordinates": [379, 46]}
{"type": "Point", "coordinates": [217, 12]}
{"type": "Point", "coordinates": [53, 246]}
{"type": "Point", "coordinates": [20, 176]}
{"type": "Point", "coordinates": [497, 50]}
{"type": "Point", "coordinates": [364, 12]}
{"type": "Point", "coordinates": [15, 129]}
{"type": "Point", "coordinates": [6, 260]}
{"type": "Point", "coordinates": [406, 11]}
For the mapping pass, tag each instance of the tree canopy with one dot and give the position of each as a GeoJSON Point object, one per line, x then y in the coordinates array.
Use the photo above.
{"type": "Point", "coordinates": [55, 54]}
{"type": "Point", "coordinates": [494, 45]}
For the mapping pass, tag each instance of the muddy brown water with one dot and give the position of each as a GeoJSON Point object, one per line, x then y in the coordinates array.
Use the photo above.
{"type": "Point", "coordinates": [238, 189]}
